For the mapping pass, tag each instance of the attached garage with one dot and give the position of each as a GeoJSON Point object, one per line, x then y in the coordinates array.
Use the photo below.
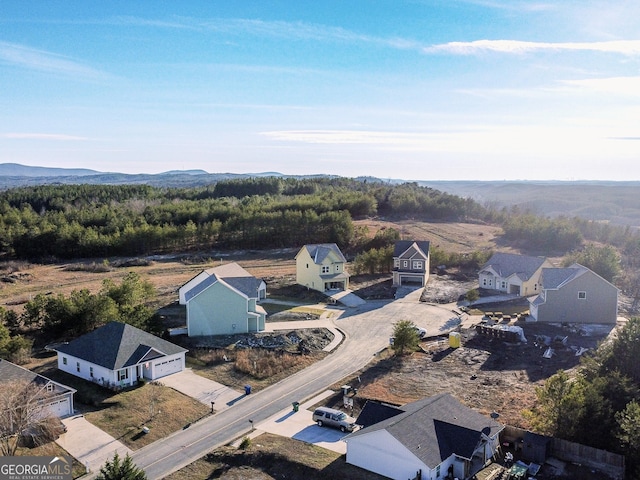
{"type": "Point", "coordinates": [164, 367]}
{"type": "Point", "coordinates": [61, 407]}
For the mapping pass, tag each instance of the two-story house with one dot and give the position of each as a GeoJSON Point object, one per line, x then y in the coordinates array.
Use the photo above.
{"type": "Point", "coordinates": [410, 262]}
{"type": "Point", "coordinates": [321, 267]}
{"type": "Point", "coordinates": [512, 273]}
{"type": "Point", "coordinates": [574, 295]}
{"type": "Point", "coordinates": [224, 300]}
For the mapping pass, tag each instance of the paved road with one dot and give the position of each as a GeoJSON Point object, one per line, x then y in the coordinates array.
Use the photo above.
{"type": "Point", "coordinates": [367, 330]}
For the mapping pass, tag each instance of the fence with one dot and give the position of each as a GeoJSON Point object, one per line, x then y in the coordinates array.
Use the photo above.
{"type": "Point", "coordinates": [611, 463]}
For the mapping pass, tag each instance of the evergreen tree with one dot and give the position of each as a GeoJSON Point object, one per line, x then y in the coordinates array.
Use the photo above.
{"type": "Point", "coordinates": [117, 469]}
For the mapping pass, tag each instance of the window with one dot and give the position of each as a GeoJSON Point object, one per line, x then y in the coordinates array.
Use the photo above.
{"type": "Point", "coordinates": [49, 387]}
{"type": "Point", "coordinates": [484, 282]}
{"type": "Point", "coordinates": [91, 372]}
{"type": "Point", "coordinates": [504, 284]}
{"type": "Point", "coordinates": [338, 268]}
{"type": "Point", "coordinates": [123, 374]}
{"type": "Point", "coordinates": [582, 295]}
{"type": "Point", "coordinates": [405, 263]}
{"type": "Point", "coordinates": [64, 360]}
{"type": "Point", "coordinates": [417, 265]}
{"type": "Point", "coordinates": [77, 366]}
{"type": "Point", "coordinates": [325, 269]}
{"type": "Point", "coordinates": [396, 262]}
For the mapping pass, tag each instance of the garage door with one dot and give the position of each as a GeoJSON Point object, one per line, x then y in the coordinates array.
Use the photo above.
{"type": "Point", "coordinates": [60, 408]}
{"type": "Point", "coordinates": [163, 368]}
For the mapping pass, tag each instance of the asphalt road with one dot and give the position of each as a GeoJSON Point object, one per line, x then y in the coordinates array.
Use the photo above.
{"type": "Point", "coordinates": [367, 330]}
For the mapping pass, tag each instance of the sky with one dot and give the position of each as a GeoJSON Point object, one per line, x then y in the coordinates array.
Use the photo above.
{"type": "Point", "coordinates": [402, 89]}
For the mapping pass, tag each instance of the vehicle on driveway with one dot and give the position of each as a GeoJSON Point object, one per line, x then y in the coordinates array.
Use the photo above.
{"type": "Point", "coordinates": [422, 332]}
{"type": "Point", "coordinates": [331, 417]}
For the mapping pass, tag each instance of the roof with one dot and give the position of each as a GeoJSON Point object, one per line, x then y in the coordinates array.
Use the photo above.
{"type": "Point", "coordinates": [117, 345]}
{"type": "Point", "coordinates": [553, 278]}
{"type": "Point", "coordinates": [435, 428]}
{"type": "Point", "coordinates": [374, 412]}
{"type": "Point", "coordinates": [507, 264]}
{"type": "Point", "coordinates": [318, 252]}
{"type": "Point", "coordinates": [11, 372]}
{"type": "Point", "coordinates": [401, 246]}
{"type": "Point", "coordinates": [231, 274]}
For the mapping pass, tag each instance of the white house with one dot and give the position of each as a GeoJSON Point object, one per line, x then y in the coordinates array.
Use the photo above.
{"type": "Point", "coordinates": [512, 273]}
{"type": "Point", "coordinates": [56, 399]}
{"type": "Point", "coordinates": [223, 301]}
{"type": "Point", "coordinates": [574, 295]}
{"type": "Point", "coordinates": [425, 440]}
{"type": "Point", "coordinates": [410, 262]}
{"type": "Point", "coordinates": [118, 355]}
{"type": "Point", "coordinates": [321, 267]}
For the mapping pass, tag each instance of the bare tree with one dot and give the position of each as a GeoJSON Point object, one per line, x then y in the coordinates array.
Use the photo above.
{"type": "Point", "coordinates": [22, 415]}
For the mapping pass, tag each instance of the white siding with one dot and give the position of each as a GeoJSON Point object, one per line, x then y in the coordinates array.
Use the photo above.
{"type": "Point", "coordinates": [381, 453]}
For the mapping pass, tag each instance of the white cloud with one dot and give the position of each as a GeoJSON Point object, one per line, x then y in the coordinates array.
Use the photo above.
{"type": "Point", "coordinates": [623, 47]}
{"type": "Point", "coordinates": [44, 61]}
{"type": "Point", "coordinates": [615, 85]}
{"type": "Point", "coordinates": [42, 136]}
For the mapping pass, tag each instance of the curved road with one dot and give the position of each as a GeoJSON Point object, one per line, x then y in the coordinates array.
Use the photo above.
{"type": "Point", "coordinates": [367, 330]}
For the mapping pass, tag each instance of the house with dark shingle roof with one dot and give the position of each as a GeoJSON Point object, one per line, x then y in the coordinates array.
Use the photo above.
{"type": "Point", "coordinates": [321, 267]}
{"type": "Point", "coordinates": [410, 262]}
{"type": "Point", "coordinates": [56, 399]}
{"type": "Point", "coordinates": [223, 301]}
{"type": "Point", "coordinates": [427, 440]}
{"type": "Point", "coordinates": [512, 273]}
{"type": "Point", "coordinates": [574, 294]}
{"type": "Point", "coordinates": [118, 355]}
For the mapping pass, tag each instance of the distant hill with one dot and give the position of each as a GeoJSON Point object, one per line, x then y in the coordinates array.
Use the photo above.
{"type": "Point", "coordinates": [17, 170]}
{"type": "Point", "coordinates": [615, 202]}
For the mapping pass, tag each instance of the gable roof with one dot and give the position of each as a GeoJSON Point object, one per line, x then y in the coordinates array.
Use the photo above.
{"type": "Point", "coordinates": [435, 428]}
{"type": "Point", "coordinates": [374, 412]}
{"type": "Point", "coordinates": [555, 278]}
{"type": "Point", "coordinates": [117, 345]}
{"type": "Point", "coordinates": [507, 264]}
{"type": "Point", "coordinates": [231, 274]}
{"type": "Point", "coordinates": [319, 251]}
{"type": "Point", "coordinates": [401, 246]}
{"type": "Point", "coordinates": [11, 372]}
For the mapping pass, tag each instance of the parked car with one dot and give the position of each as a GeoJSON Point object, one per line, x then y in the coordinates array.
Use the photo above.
{"type": "Point", "coordinates": [331, 417]}
{"type": "Point", "coordinates": [422, 332]}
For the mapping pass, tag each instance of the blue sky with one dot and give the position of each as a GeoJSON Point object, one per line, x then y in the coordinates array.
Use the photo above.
{"type": "Point", "coordinates": [418, 90]}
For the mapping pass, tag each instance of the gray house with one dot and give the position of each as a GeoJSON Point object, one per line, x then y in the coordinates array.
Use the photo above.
{"type": "Point", "coordinates": [55, 398]}
{"type": "Point", "coordinates": [574, 295]}
{"type": "Point", "coordinates": [512, 273]}
{"type": "Point", "coordinates": [424, 440]}
{"type": "Point", "coordinates": [410, 262]}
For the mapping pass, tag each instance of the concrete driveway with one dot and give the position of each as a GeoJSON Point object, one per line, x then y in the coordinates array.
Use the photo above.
{"type": "Point", "coordinates": [300, 426]}
{"type": "Point", "coordinates": [202, 389]}
{"type": "Point", "coordinates": [88, 444]}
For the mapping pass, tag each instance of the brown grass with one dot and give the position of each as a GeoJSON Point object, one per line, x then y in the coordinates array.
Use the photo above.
{"type": "Point", "coordinates": [261, 364]}
{"type": "Point", "coordinates": [273, 457]}
{"type": "Point", "coordinates": [161, 409]}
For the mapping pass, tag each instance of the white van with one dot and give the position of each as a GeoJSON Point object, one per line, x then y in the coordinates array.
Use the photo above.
{"type": "Point", "coordinates": [333, 418]}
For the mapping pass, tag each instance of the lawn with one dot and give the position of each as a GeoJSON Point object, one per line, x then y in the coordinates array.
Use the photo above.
{"type": "Point", "coordinates": [270, 457]}
{"type": "Point", "coordinates": [52, 449]}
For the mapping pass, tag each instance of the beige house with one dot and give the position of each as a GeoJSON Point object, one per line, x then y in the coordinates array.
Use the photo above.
{"type": "Point", "coordinates": [321, 267]}
{"type": "Point", "coordinates": [513, 274]}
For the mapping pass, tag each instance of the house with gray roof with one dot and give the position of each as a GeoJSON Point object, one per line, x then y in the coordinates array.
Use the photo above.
{"type": "Point", "coordinates": [117, 355]}
{"type": "Point", "coordinates": [410, 262]}
{"type": "Point", "coordinates": [574, 294]}
{"type": "Point", "coordinates": [54, 398]}
{"type": "Point", "coordinates": [321, 267]}
{"type": "Point", "coordinates": [426, 440]}
{"type": "Point", "coordinates": [224, 300]}
{"type": "Point", "coordinates": [512, 273]}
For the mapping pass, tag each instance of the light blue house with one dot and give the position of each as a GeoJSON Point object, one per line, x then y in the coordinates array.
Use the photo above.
{"type": "Point", "coordinates": [222, 301]}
